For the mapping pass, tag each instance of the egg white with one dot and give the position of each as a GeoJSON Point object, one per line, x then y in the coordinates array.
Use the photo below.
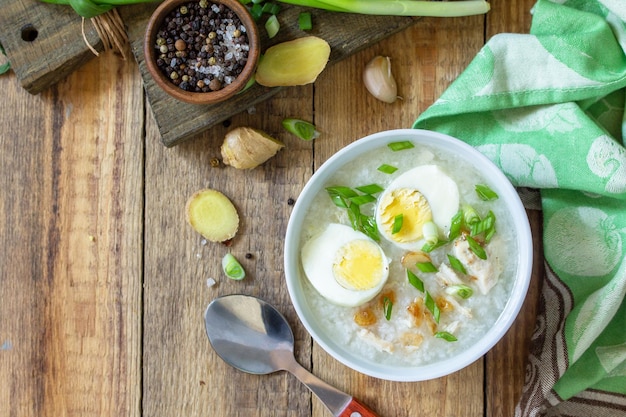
{"type": "Point", "coordinates": [318, 255]}
{"type": "Point", "coordinates": [441, 192]}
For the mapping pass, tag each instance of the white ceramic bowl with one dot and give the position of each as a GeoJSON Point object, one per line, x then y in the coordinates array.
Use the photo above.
{"type": "Point", "coordinates": [295, 275]}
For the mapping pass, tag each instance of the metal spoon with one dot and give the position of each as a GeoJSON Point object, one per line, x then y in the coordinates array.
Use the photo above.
{"type": "Point", "coordinates": [252, 336]}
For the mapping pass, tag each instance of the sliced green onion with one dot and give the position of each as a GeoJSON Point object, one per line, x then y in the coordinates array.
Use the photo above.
{"type": "Point", "coordinates": [400, 146]}
{"type": "Point", "coordinates": [302, 129]}
{"type": "Point", "coordinates": [448, 337]}
{"type": "Point", "coordinates": [397, 224]}
{"type": "Point", "coordinates": [470, 216]}
{"type": "Point", "coordinates": [431, 233]}
{"type": "Point", "coordinates": [415, 281]}
{"type": "Point", "coordinates": [460, 290]}
{"type": "Point", "coordinates": [272, 26]}
{"type": "Point", "coordinates": [476, 248]}
{"type": "Point", "coordinates": [370, 189]}
{"type": "Point", "coordinates": [456, 264]}
{"type": "Point", "coordinates": [456, 224]}
{"type": "Point", "coordinates": [485, 193]}
{"type": "Point", "coordinates": [304, 21]}
{"type": "Point", "coordinates": [387, 169]}
{"type": "Point", "coordinates": [256, 11]}
{"type": "Point", "coordinates": [362, 199]}
{"type": "Point", "coordinates": [271, 8]}
{"type": "Point", "coordinates": [429, 248]}
{"type": "Point", "coordinates": [341, 195]}
{"type": "Point", "coordinates": [387, 306]}
{"type": "Point", "coordinates": [486, 225]}
{"type": "Point", "coordinates": [232, 268]}
{"type": "Point", "coordinates": [7, 65]}
{"type": "Point", "coordinates": [431, 305]}
{"type": "Point", "coordinates": [426, 267]}
{"type": "Point", "coordinates": [347, 198]}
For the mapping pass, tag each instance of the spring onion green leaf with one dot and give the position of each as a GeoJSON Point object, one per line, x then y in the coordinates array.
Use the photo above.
{"type": "Point", "coordinates": [399, 7]}
{"type": "Point", "coordinates": [397, 224]}
{"type": "Point", "coordinates": [302, 129]}
{"type": "Point", "coordinates": [485, 193]}
{"type": "Point", "coordinates": [245, 2]}
{"type": "Point", "coordinates": [476, 248]}
{"type": "Point", "coordinates": [426, 267]}
{"type": "Point", "coordinates": [431, 305]}
{"type": "Point", "coordinates": [470, 216]}
{"type": "Point", "coordinates": [7, 65]}
{"type": "Point", "coordinates": [387, 306]}
{"type": "Point", "coordinates": [304, 21]}
{"type": "Point", "coordinates": [272, 26]}
{"type": "Point", "coordinates": [370, 189]}
{"type": "Point", "coordinates": [430, 232]}
{"type": "Point", "coordinates": [415, 281]}
{"type": "Point", "coordinates": [456, 224]}
{"type": "Point", "coordinates": [387, 169]}
{"type": "Point", "coordinates": [232, 268]}
{"type": "Point", "coordinates": [456, 264]}
{"type": "Point", "coordinates": [400, 146]}
{"type": "Point", "coordinates": [448, 337]}
{"type": "Point", "coordinates": [460, 290]}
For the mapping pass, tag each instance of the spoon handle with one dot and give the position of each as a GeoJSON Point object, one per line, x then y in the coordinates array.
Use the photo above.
{"type": "Point", "coordinates": [339, 403]}
{"type": "Point", "coordinates": [357, 409]}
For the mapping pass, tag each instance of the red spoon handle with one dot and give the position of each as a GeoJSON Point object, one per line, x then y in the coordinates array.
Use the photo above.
{"type": "Point", "coordinates": [357, 409]}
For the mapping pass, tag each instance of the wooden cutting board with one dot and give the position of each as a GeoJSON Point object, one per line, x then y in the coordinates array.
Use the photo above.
{"type": "Point", "coordinates": [44, 44]}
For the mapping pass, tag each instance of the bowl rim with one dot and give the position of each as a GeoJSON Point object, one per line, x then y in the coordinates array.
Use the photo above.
{"type": "Point", "coordinates": [511, 308]}
{"type": "Point", "coordinates": [191, 97]}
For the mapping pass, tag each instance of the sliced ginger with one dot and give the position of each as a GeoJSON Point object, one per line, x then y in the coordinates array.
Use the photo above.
{"type": "Point", "coordinates": [296, 62]}
{"type": "Point", "coordinates": [247, 148]}
{"type": "Point", "coordinates": [212, 215]}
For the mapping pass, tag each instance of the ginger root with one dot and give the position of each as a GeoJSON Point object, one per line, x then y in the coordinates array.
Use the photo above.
{"type": "Point", "coordinates": [212, 215]}
{"type": "Point", "coordinates": [296, 62]}
{"type": "Point", "coordinates": [247, 148]}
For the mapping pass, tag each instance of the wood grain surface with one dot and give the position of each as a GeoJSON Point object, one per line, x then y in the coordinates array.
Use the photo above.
{"type": "Point", "coordinates": [103, 284]}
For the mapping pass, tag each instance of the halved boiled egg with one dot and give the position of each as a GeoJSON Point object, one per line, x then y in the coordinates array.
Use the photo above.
{"type": "Point", "coordinates": [418, 196]}
{"type": "Point", "coordinates": [345, 266]}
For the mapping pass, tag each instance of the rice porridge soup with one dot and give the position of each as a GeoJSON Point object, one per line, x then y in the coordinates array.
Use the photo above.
{"type": "Point", "coordinates": [405, 254]}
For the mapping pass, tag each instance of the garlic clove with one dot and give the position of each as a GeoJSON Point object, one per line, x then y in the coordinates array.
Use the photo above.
{"type": "Point", "coordinates": [379, 80]}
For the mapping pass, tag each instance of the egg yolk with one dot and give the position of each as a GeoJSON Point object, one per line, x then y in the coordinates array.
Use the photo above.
{"type": "Point", "coordinates": [415, 211]}
{"type": "Point", "coordinates": [359, 265]}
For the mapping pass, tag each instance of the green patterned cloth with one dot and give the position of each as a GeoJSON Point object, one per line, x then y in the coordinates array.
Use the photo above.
{"type": "Point", "coordinates": [548, 109]}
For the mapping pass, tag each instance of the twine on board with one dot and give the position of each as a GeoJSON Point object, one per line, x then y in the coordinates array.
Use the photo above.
{"type": "Point", "coordinates": [110, 29]}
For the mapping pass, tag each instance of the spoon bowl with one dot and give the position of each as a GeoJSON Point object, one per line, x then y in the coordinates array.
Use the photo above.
{"type": "Point", "coordinates": [251, 335]}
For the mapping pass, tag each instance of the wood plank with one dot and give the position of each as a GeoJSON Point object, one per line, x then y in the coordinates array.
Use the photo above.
{"type": "Point", "coordinates": [424, 63]}
{"type": "Point", "coordinates": [178, 121]}
{"type": "Point", "coordinates": [182, 374]}
{"type": "Point", "coordinates": [72, 272]}
{"type": "Point", "coordinates": [44, 42]}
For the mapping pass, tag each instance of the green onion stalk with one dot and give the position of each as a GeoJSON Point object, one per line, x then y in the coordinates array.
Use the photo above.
{"type": "Point", "coordinates": [93, 8]}
{"type": "Point", "coordinates": [399, 7]}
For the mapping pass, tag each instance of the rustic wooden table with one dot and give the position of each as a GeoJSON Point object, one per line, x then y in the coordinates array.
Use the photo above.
{"type": "Point", "coordinates": [103, 284]}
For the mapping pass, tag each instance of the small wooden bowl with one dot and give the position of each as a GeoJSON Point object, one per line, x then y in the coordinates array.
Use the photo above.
{"type": "Point", "coordinates": [154, 24]}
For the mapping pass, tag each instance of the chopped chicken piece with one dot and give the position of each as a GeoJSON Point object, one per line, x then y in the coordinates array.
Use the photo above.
{"type": "Point", "coordinates": [447, 276]}
{"type": "Point", "coordinates": [481, 271]}
{"type": "Point", "coordinates": [380, 344]}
